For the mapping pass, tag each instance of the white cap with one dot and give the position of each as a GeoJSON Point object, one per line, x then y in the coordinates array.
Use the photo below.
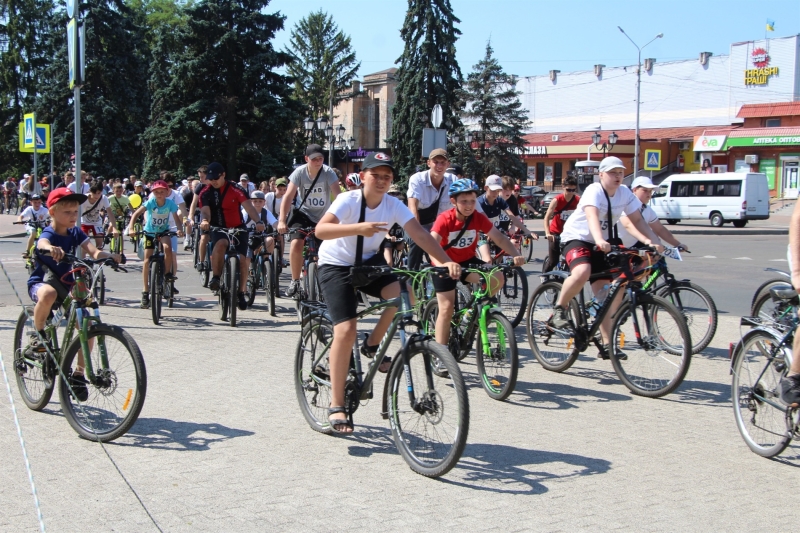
{"type": "Point", "coordinates": [244, 177]}
{"type": "Point", "coordinates": [610, 163]}
{"type": "Point", "coordinates": [185, 182]}
{"type": "Point", "coordinates": [26, 176]}
{"type": "Point", "coordinates": [643, 181]}
{"type": "Point", "coordinates": [494, 182]}
{"type": "Point", "coordinates": [138, 184]}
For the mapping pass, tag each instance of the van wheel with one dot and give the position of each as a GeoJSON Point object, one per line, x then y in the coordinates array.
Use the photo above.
{"type": "Point", "coordinates": [716, 220]}
{"type": "Point", "coordinates": [673, 221]}
{"type": "Point", "coordinates": [739, 223]}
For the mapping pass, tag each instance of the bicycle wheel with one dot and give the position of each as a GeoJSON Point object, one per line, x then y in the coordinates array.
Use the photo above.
{"type": "Point", "coordinates": [311, 378]}
{"type": "Point", "coordinates": [456, 343]}
{"type": "Point", "coordinates": [311, 283]}
{"type": "Point", "coordinates": [526, 248]}
{"type": "Point", "coordinates": [168, 288]}
{"type": "Point", "coordinates": [155, 292]}
{"type": "Point", "coordinates": [277, 268]}
{"type": "Point", "coordinates": [116, 393]}
{"type": "Point", "coordinates": [757, 367]}
{"type": "Point", "coordinates": [431, 433]}
{"type": "Point", "coordinates": [513, 297]}
{"type": "Point", "coordinates": [764, 289]}
{"type": "Point", "coordinates": [698, 309]}
{"type": "Point", "coordinates": [252, 283]}
{"type": "Point", "coordinates": [233, 288]}
{"type": "Point", "coordinates": [554, 349]}
{"type": "Point", "coordinates": [14, 206]}
{"type": "Point", "coordinates": [771, 312]}
{"type": "Point", "coordinates": [269, 280]}
{"type": "Point", "coordinates": [35, 372]}
{"type": "Point", "coordinates": [498, 366]}
{"type": "Point", "coordinates": [196, 245]}
{"type": "Point", "coordinates": [658, 355]}
{"type": "Point", "coordinates": [99, 289]}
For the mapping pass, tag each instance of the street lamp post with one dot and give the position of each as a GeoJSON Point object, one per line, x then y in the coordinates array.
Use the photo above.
{"type": "Point", "coordinates": [455, 138]}
{"type": "Point", "coordinates": [607, 146]}
{"type": "Point", "coordinates": [638, 94]}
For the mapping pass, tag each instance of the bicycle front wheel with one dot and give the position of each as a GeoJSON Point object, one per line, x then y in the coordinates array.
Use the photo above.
{"type": "Point", "coordinates": [430, 433]}
{"type": "Point", "coordinates": [458, 346]}
{"type": "Point", "coordinates": [312, 285]}
{"type": "Point", "coordinates": [654, 360]}
{"type": "Point", "coordinates": [117, 390]}
{"type": "Point", "coordinates": [35, 372]}
{"type": "Point", "coordinates": [768, 310]}
{"type": "Point", "coordinates": [758, 365]}
{"type": "Point", "coordinates": [698, 309]}
{"type": "Point", "coordinates": [764, 289]}
{"type": "Point", "coordinates": [233, 289]}
{"type": "Point", "coordinates": [269, 285]}
{"type": "Point", "coordinates": [513, 296]}
{"type": "Point", "coordinates": [554, 349]}
{"type": "Point", "coordinates": [254, 275]}
{"type": "Point", "coordinates": [526, 248]}
{"type": "Point", "coordinates": [311, 372]}
{"type": "Point", "coordinates": [100, 289]}
{"type": "Point", "coordinates": [498, 365]}
{"type": "Point", "coordinates": [155, 292]}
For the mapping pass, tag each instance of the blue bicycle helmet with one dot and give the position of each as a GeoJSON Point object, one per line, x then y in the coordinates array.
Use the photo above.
{"type": "Point", "coordinates": [463, 185]}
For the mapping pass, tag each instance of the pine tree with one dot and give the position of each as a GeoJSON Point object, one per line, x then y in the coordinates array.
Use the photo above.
{"type": "Point", "coordinates": [494, 110]}
{"type": "Point", "coordinates": [218, 97]}
{"type": "Point", "coordinates": [428, 75]}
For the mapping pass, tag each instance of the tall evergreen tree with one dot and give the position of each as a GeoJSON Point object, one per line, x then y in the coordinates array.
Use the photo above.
{"type": "Point", "coordinates": [218, 97]}
{"type": "Point", "coordinates": [428, 75]}
{"type": "Point", "coordinates": [494, 110]}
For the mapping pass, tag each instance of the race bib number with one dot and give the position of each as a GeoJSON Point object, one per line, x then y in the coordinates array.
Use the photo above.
{"type": "Point", "coordinates": [160, 221]}
{"type": "Point", "coordinates": [502, 221]}
{"type": "Point", "coordinates": [465, 241]}
{"type": "Point", "coordinates": [565, 214]}
{"type": "Point", "coordinates": [604, 225]}
{"type": "Point", "coordinates": [317, 197]}
{"type": "Point", "coordinates": [672, 253]}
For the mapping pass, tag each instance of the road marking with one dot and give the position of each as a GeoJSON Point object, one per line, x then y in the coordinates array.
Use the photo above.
{"type": "Point", "coordinates": [781, 260]}
{"type": "Point", "coordinates": [743, 258]}
{"type": "Point", "coordinates": [709, 257]}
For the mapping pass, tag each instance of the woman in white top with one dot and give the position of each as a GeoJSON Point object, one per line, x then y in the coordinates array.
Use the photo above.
{"type": "Point", "coordinates": [339, 230]}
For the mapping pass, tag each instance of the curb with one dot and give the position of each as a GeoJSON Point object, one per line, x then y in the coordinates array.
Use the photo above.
{"type": "Point", "coordinates": [742, 231]}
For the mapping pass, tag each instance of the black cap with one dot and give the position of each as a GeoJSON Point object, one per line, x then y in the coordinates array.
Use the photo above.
{"type": "Point", "coordinates": [214, 171]}
{"type": "Point", "coordinates": [313, 149]}
{"type": "Point", "coordinates": [457, 170]}
{"type": "Point", "coordinates": [378, 159]}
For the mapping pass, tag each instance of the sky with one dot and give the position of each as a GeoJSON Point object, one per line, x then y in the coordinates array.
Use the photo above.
{"type": "Point", "coordinates": [532, 37]}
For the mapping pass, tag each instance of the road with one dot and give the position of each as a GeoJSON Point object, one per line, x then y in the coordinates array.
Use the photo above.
{"type": "Point", "coordinates": [221, 445]}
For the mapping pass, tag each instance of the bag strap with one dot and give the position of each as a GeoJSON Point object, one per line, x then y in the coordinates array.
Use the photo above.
{"type": "Point", "coordinates": [360, 238]}
{"type": "Point", "coordinates": [93, 207]}
{"type": "Point", "coordinates": [460, 234]}
{"type": "Point", "coordinates": [441, 191]}
{"type": "Point", "coordinates": [566, 206]}
{"type": "Point", "coordinates": [612, 234]}
{"type": "Point", "coordinates": [311, 188]}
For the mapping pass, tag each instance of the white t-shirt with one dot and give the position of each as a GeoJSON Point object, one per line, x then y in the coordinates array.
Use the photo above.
{"type": "Point", "coordinates": [421, 188]}
{"type": "Point", "coordinates": [347, 208]}
{"type": "Point", "coordinates": [176, 197]}
{"type": "Point", "coordinates": [73, 185]}
{"type": "Point", "coordinates": [577, 227]}
{"type": "Point", "coordinates": [271, 220]}
{"type": "Point", "coordinates": [649, 217]}
{"type": "Point", "coordinates": [30, 214]}
{"type": "Point", "coordinates": [272, 199]}
{"type": "Point", "coordinates": [93, 218]}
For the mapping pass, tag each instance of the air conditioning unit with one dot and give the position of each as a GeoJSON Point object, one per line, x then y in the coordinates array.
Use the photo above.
{"type": "Point", "coordinates": [555, 137]}
{"type": "Point", "coordinates": [685, 146]}
{"type": "Point", "coordinates": [751, 159]}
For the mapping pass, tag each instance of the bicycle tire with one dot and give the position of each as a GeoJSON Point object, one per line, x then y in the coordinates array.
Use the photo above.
{"type": "Point", "coordinates": [251, 285]}
{"type": "Point", "coordinates": [170, 286]}
{"type": "Point", "coordinates": [455, 342]}
{"type": "Point", "coordinates": [761, 425]}
{"type": "Point", "coordinates": [658, 368]}
{"type": "Point", "coordinates": [772, 312]}
{"type": "Point", "coordinates": [233, 289]}
{"type": "Point", "coordinates": [269, 278]}
{"type": "Point", "coordinates": [419, 436]}
{"type": "Point", "coordinates": [277, 263]}
{"type": "Point", "coordinates": [513, 296]}
{"type": "Point", "coordinates": [764, 288]}
{"type": "Point", "coordinates": [116, 395]}
{"type": "Point", "coordinates": [554, 349]}
{"type": "Point", "coordinates": [498, 369]}
{"type": "Point", "coordinates": [35, 375]}
{"type": "Point", "coordinates": [526, 248]}
{"type": "Point", "coordinates": [311, 282]}
{"type": "Point", "coordinates": [698, 309]}
{"type": "Point", "coordinates": [196, 245]}
{"type": "Point", "coordinates": [100, 290]}
{"type": "Point", "coordinates": [314, 396]}
{"type": "Point", "coordinates": [155, 293]}
{"type": "Point", "coordinates": [14, 206]}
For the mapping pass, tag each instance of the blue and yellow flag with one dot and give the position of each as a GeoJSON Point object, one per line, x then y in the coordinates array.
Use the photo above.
{"type": "Point", "coordinates": [770, 25]}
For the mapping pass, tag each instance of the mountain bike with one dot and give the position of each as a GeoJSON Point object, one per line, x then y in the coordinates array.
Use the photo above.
{"type": "Point", "coordinates": [229, 281]}
{"type": "Point", "coordinates": [428, 411]}
{"type": "Point", "coordinates": [525, 245]}
{"type": "Point", "coordinates": [116, 243]}
{"type": "Point", "coordinates": [114, 366]}
{"type": "Point", "coordinates": [309, 289]}
{"type": "Point", "coordinates": [138, 229]}
{"type": "Point", "coordinates": [160, 286]}
{"type": "Point", "coordinates": [203, 267]}
{"type": "Point", "coordinates": [263, 273]}
{"type": "Point", "coordinates": [513, 296]}
{"type": "Point", "coordinates": [651, 345]}
{"type": "Point", "coordinates": [762, 304]}
{"type": "Point", "coordinates": [497, 356]}
{"type": "Point", "coordinates": [37, 227]}
{"type": "Point", "coordinates": [758, 363]}
{"type": "Point", "coordinates": [12, 203]}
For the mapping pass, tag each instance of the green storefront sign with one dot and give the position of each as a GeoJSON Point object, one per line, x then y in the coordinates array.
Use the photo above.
{"type": "Point", "coordinates": [763, 141]}
{"type": "Point", "coordinates": [767, 166]}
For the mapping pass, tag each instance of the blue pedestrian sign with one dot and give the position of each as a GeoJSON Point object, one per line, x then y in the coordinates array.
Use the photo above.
{"type": "Point", "coordinates": [42, 139]}
{"type": "Point", "coordinates": [652, 159]}
{"type": "Point", "coordinates": [27, 141]}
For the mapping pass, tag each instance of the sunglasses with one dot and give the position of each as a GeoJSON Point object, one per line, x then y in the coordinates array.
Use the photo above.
{"type": "Point", "coordinates": [570, 190]}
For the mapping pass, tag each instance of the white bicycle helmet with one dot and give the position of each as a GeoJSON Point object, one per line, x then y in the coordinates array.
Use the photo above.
{"type": "Point", "coordinates": [353, 179]}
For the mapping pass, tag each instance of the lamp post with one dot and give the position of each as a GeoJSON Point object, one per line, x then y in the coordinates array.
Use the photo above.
{"type": "Point", "coordinates": [638, 95]}
{"type": "Point", "coordinates": [455, 138]}
{"type": "Point", "coordinates": [606, 146]}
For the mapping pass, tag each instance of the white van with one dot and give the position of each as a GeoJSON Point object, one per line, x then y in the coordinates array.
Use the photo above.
{"type": "Point", "coordinates": [719, 198]}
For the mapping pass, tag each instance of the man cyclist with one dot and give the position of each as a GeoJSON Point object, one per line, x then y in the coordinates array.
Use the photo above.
{"type": "Point", "coordinates": [790, 385]}
{"type": "Point", "coordinates": [558, 212]}
{"type": "Point", "coordinates": [318, 186]}
{"type": "Point", "coordinates": [220, 204]}
{"type": "Point", "coordinates": [586, 238]}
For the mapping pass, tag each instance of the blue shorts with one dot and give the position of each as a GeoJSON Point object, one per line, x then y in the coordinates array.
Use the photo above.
{"type": "Point", "coordinates": [32, 290]}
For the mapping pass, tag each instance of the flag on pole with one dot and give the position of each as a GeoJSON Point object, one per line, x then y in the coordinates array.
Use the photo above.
{"type": "Point", "coordinates": [770, 25]}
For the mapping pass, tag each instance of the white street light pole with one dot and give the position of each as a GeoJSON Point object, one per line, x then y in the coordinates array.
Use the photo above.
{"type": "Point", "coordinates": [638, 95]}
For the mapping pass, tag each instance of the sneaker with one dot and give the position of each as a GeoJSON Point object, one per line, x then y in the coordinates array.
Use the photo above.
{"type": "Point", "coordinates": [366, 350]}
{"type": "Point", "coordinates": [199, 266]}
{"type": "Point", "coordinates": [175, 290]}
{"type": "Point", "coordinates": [241, 302]}
{"type": "Point", "coordinates": [559, 318]}
{"type": "Point", "coordinates": [790, 390]}
{"type": "Point", "coordinates": [78, 383]}
{"type": "Point", "coordinates": [35, 344]}
{"type": "Point", "coordinates": [145, 300]}
{"type": "Point", "coordinates": [214, 284]}
{"type": "Point", "coordinates": [169, 276]}
{"type": "Point", "coordinates": [294, 286]}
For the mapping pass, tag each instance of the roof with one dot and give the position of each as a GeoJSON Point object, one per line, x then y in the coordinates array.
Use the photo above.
{"type": "Point", "coordinates": [779, 109]}
{"type": "Point", "coordinates": [764, 132]}
{"type": "Point", "coordinates": [627, 136]}
{"type": "Point", "coordinates": [390, 72]}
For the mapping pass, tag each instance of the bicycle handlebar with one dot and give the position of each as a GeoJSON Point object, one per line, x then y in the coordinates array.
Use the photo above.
{"type": "Point", "coordinates": [89, 263]}
{"type": "Point", "coordinates": [34, 223]}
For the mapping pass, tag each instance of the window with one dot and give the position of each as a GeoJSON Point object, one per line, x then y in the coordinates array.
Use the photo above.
{"type": "Point", "coordinates": [557, 173]}
{"type": "Point", "coordinates": [772, 123]}
{"type": "Point", "coordinates": [680, 189]}
{"type": "Point", "coordinates": [540, 174]}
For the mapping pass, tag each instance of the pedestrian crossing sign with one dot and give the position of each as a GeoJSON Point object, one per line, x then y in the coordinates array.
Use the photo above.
{"type": "Point", "coordinates": [42, 138]}
{"type": "Point", "coordinates": [652, 159]}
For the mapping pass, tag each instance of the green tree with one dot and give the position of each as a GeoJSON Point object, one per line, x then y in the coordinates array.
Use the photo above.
{"type": "Point", "coordinates": [159, 16]}
{"type": "Point", "coordinates": [428, 75]}
{"type": "Point", "coordinates": [494, 110]}
{"type": "Point", "coordinates": [218, 97]}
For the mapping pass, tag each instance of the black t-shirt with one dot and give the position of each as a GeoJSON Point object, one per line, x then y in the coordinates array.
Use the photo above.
{"type": "Point", "coordinates": [513, 204]}
{"type": "Point", "coordinates": [188, 196]}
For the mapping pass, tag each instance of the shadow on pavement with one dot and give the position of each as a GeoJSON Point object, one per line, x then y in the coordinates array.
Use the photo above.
{"type": "Point", "coordinates": [713, 353]}
{"type": "Point", "coordinates": [702, 393]}
{"type": "Point", "coordinates": [558, 396]}
{"type": "Point", "coordinates": [166, 434]}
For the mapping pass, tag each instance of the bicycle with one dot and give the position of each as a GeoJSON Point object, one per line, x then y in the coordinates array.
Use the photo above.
{"type": "Point", "coordinates": [160, 286]}
{"type": "Point", "coordinates": [430, 427]}
{"type": "Point", "coordinates": [263, 273]}
{"type": "Point", "coordinates": [525, 245]}
{"type": "Point", "coordinates": [513, 296]}
{"type": "Point", "coordinates": [115, 242]}
{"type": "Point", "coordinates": [138, 229]}
{"type": "Point", "coordinates": [12, 203]}
{"type": "Point", "coordinates": [114, 368]}
{"type": "Point", "coordinates": [497, 356]}
{"type": "Point", "coordinates": [762, 304]}
{"type": "Point", "coordinates": [310, 289]}
{"type": "Point", "coordinates": [229, 282]}
{"type": "Point", "coordinates": [651, 345]}
{"type": "Point", "coordinates": [203, 267]}
{"type": "Point", "coordinates": [37, 226]}
{"type": "Point", "coordinates": [758, 363]}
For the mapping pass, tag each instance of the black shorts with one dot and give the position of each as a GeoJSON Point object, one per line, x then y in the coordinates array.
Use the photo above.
{"type": "Point", "coordinates": [340, 296]}
{"type": "Point", "coordinates": [300, 220]}
{"type": "Point", "coordinates": [240, 242]}
{"type": "Point", "coordinates": [579, 252]}
{"type": "Point", "coordinates": [446, 283]}
{"type": "Point", "coordinates": [150, 241]}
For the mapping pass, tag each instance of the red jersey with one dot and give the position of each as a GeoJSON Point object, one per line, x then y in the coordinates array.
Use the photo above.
{"type": "Point", "coordinates": [448, 227]}
{"type": "Point", "coordinates": [225, 204]}
{"type": "Point", "coordinates": [562, 212]}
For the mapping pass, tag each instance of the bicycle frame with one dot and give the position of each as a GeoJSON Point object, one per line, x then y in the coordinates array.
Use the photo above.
{"type": "Point", "coordinates": [786, 339]}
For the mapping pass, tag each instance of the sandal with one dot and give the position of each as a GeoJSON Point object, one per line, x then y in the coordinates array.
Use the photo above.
{"type": "Point", "coordinates": [347, 422]}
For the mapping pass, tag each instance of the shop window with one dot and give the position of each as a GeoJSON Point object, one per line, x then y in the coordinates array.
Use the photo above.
{"type": "Point", "coordinates": [772, 123]}
{"type": "Point", "coordinates": [557, 174]}
{"type": "Point", "coordinates": [540, 174]}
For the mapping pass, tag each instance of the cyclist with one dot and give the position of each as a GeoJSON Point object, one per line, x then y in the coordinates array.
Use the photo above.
{"type": "Point", "coordinates": [35, 212]}
{"type": "Point", "coordinates": [85, 180]}
{"type": "Point", "coordinates": [342, 235]}
{"type": "Point", "coordinates": [138, 189]}
{"type": "Point", "coordinates": [194, 212]}
{"type": "Point", "coordinates": [643, 188]}
{"type": "Point", "coordinates": [558, 212]}
{"type": "Point", "coordinates": [9, 191]}
{"type": "Point", "coordinates": [158, 207]}
{"type": "Point", "coordinates": [318, 185]}
{"type": "Point", "coordinates": [524, 207]}
{"type": "Point", "coordinates": [427, 197]}
{"type": "Point", "coordinates": [119, 205]}
{"type": "Point", "coordinates": [499, 213]}
{"type": "Point", "coordinates": [220, 203]}
{"type": "Point", "coordinates": [456, 230]}
{"type": "Point", "coordinates": [394, 236]}
{"type": "Point", "coordinates": [790, 385]}
{"type": "Point", "coordinates": [273, 202]}
{"type": "Point", "coordinates": [353, 182]}
{"type": "Point", "coordinates": [177, 199]}
{"type": "Point", "coordinates": [92, 219]}
{"type": "Point", "coordinates": [586, 237]}
{"type": "Point", "coordinates": [51, 279]}
{"type": "Point", "coordinates": [266, 218]}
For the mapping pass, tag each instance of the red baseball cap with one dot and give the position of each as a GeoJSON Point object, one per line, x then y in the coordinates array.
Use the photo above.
{"type": "Point", "coordinates": [62, 193]}
{"type": "Point", "coordinates": [159, 184]}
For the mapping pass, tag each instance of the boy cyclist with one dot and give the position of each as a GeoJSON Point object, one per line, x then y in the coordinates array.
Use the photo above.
{"type": "Point", "coordinates": [457, 231]}
{"type": "Point", "coordinates": [119, 206]}
{"type": "Point", "coordinates": [35, 212]}
{"type": "Point", "coordinates": [499, 213]}
{"type": "Point", "coordinates": [269, 221]}
{"type": "Point", "coordinates": [159, 208]}
{"type": "Point", "coordinates": [91, 218]}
